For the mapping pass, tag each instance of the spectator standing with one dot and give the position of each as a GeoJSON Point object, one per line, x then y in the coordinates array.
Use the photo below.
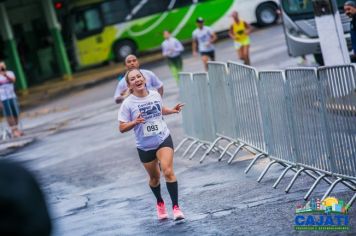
{"type": "Point", "coordinates": [9, 99]}
{"type": "Point", "coordinates": [239, 32]}
{"type": "Point", "coordinates": [172, 49]}
{"type": "Point", "coordinates": [152, 81]}
{"type": "Point", "coordinates": [350, 11]}
{"type": "Point", "coordinates": [204, 37]}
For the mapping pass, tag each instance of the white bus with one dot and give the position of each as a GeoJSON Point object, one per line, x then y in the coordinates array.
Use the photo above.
{"type": "Point", "coordinates": [300, 28]}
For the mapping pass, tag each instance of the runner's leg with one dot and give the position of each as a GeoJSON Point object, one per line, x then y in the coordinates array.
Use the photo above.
{"type": "Point", "coordinates": [152, 169]}
{"type": "Point", "coordinates": [165, 156]}
{"type": "Point", "coordinates": [205, 60]}
{"type": "Point", "coordinates": [246, 53]}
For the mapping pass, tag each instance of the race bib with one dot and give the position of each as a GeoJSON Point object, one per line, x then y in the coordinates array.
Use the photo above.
{"type": "Point", "coordinates": [153, 127]}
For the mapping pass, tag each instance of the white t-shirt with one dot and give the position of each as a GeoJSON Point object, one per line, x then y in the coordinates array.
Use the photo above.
{"type": "Point", "coordinates": [7, 89]}
{"type": "Point", "coordinates": [171, 47]}
{"type": "Point", "coordinates": [152, 82]}
{"type": "Point", "coordinates": [203, 37]}
{"type": "Point", "coordinates": [150, 108]}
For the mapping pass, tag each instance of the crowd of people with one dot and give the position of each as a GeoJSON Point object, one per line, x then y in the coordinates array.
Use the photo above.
{"type": "Point", "coordinates": [203, 39]}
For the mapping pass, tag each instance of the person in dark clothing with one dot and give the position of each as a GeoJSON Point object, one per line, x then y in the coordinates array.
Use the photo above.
{"type": "Point", "coordinates": [350, 11]}
{"type": "Point", "coordinates": [23, 210]}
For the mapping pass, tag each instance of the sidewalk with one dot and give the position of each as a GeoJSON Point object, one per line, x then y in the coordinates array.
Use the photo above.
{"type": "Point", "coordinates": [58, 87]}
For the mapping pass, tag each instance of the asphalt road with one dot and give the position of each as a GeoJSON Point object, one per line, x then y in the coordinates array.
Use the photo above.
{"type": "Point", "coordinates": [96, 185]}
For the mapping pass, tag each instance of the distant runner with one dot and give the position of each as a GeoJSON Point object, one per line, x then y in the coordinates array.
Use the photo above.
{"type": "Point", "coordinates": [240, 33]}
{"type": "Point", "coordinates": [204, 37]}
{"type": "Point", "coordinates": [152, 81]}
{"type": "Point", "coordinates": [172, 50]}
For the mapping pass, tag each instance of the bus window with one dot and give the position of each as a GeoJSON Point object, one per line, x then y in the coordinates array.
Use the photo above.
{"type": "Point", "coordinates": [87, 22]}
{"type": "Point", "coordinates": [183, 3]}
{"type": "Point", "coordinates": [115, 11]}
{"type": "Point", "coordinates": [149, 7]}
{"type": "Point", "coordinates": [298, 6]}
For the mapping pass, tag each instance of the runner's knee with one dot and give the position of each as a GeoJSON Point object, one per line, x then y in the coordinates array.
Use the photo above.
{"type": "Point", "coordinates": [168, 174]}
{"type": "Point", "coordinates": [154, 181]}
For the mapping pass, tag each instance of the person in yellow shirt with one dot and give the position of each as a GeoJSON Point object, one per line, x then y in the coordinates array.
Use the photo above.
{"type": "Point", "coordinates": [239, 32]}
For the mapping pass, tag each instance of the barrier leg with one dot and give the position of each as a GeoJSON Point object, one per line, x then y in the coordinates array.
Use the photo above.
{"type": "Point", "coordinates": [225, 150]}
{"type": "Point", "coordinates": [210, 148]}
{"type": "Point", "coordinates": [181, 144]}
{"type": "Point", "coordinates": [349, 204]}
{"type": "Point", "coordinates": [311, 175]}
{"type": "Point", "coordinates": [314, 186]}
{"type": "Point", "coordinates": [265, 170]}
{"type": "Point", "coordinates": [282, 175]}
{"type": "Point", "coordinates": [195, 151]}
{"type": "Point", "coordinates": [294, 179]}
{"type": "Point", "coordinates": [332, 186]}
{"type": "Point", "coordinates": [350, 186]}
{"type": "Point", "coordinates": [235, 153]}
{"type": "Point", "coordinates": [257, 156]}
{"type": "Point", "coordinates": [189, 147]}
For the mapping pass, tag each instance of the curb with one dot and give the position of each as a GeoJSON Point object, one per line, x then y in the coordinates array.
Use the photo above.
{"type": "Point", "coordinates": [11, 146]}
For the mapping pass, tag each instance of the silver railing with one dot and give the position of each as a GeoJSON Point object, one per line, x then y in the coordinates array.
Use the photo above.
{"type": "Point", "coordinates": [303, 119]}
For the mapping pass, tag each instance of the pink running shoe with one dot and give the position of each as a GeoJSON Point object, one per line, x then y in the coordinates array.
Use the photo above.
{"type": "Point", "coordinates": [177, 213]}
{"type": "Point", "coordinates": [161, 211]}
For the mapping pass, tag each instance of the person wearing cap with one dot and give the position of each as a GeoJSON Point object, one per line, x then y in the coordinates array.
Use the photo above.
{"type": "Point", "coordinates": [350, 11]}
{"type": "Point", "coordinates": [152, 81]}
{"type": "Point", "coordinates": [204, 37]}
{"type": "Point", "coordinates": [239, 32]}
{"type": "Point", "coordinates": [172, 50]}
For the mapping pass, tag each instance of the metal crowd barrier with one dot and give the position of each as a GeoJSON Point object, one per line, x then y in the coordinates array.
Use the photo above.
{"type": "Point", "coordinates": [195, 92]}
{"type": "Point", "coordinates": [185, 93]}
{"type": "Point", "coordinates": [221, 102]}
{"type": "Point", "coordinates": [300, 118]}
{"type": "Point", "coordinates": [337, 84]}
{"type": "Point", "coordinates": [276, 117]}
{"type": "Point", "coordinates": [245, 102]}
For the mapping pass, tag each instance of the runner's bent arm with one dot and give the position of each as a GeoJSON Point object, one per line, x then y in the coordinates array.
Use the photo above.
{"type": "Point", "coordinates": [156, 82]}
{"type": "Point", "coordinates": [213, 37]}
{"type": "Point", "coordinates": [231, 32]}
{"type": "Point", "coordinates": [248, 28]}
{"type": "Point", "coordinates": [127, 126]}
{"type": "Point", "coordinates": [160, 90]}
{"type": "Point", "coordinates": [194, 46]}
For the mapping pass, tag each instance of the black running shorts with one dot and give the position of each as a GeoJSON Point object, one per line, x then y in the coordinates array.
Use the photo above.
{"type": "Point", "coordinates": [210, 54]}
{"type": "Point", "coordinates": [148, 156]}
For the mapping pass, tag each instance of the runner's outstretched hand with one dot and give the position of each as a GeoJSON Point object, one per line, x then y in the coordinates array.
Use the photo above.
{"type": "Point", "coordinates": [177, 108]}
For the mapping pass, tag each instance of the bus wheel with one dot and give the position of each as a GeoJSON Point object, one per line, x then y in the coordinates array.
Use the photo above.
{"type": "Point", "coordinates": [266, 14]}
{"type": "Point", "coordinates": [318, 57]}
{"type": "Point", "coordinates": [124, 48]}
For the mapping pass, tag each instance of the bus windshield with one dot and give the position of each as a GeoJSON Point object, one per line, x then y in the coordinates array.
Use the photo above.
{"type": "Point", "coordinates": [303, 8]}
